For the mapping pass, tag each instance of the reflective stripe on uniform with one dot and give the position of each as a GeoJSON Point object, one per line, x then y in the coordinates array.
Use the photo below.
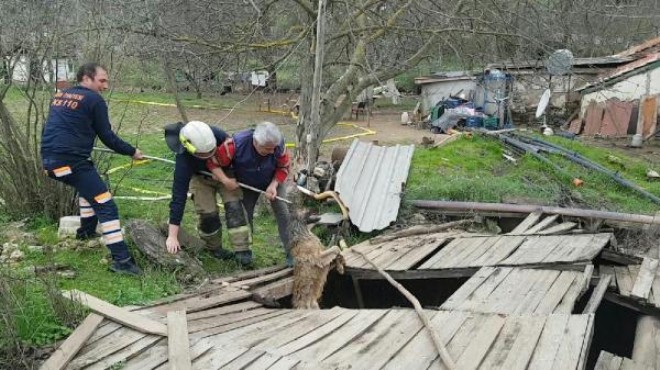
{"type": "Point", "coordinates": [86, 210]}
{"type": "Point", "coordinates": [62, 171]}
{"type": "Point", "coordinates": [103, 198]}
{"type": "Point", "coordinates": [113, 238]}
{"type": "Point", "coordinates": [112, 232]}
{"type": "Point", "coordinates": [110, 226]}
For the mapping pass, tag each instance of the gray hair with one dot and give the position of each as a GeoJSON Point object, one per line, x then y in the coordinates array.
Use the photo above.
{"type": "Point", "coordinates": [267, 133]}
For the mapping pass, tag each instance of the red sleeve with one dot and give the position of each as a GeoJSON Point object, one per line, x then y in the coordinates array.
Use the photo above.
{"type": "Point", "coordinates": [283, 164]}
{"type": "Point", "coordinates": [224, 155]}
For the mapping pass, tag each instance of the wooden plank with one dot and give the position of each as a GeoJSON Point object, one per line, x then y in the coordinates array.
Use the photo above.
{"type": "Point", "coordinates": [502, 346]}
{"type": "Point", "coordinates": [479, 297]}
{"type": "Point", "coordinates": [68, 350]}
{"type": "Point", "coordinates": [395, 249]}
{"type": "Point", "coordinates": [481, 344]}
{"type": "Point", "coordinates": [500, 251]}
{"type": "Point", "coordinates": [226, 319]}
{"type": "Point", "coordinates": [262, 363]}
{"type": "Point", "coordinates": [420, 349]}
{"type": "Point", "coordinates": [541, 225]}
{"type": "Point", "coordinates": [557, 291]}
{"type": "Point", "coordinates": [244, 360]}
{"type": "Point", "coordinates": [558, 229]}
{"type": "Point", "coordinates": [178, 344]}
{"type": "Point", "coordinates": [200, 347]}
{"type": "Point", "coordinates": [352, 259]}
{"type": "Point", "coordinates": [224, 310]}
{"type": "Point", "coordinates": [510, 292]}
{"type": "Point", "coordinates": [281, 328]}
{"type": "Point", "coordinates": [476, 254]}
{"type": "Point", "coordinates": [248, 335]}
{"type": "Point", "coordinates": [259, 280]}
{"type": "Point", "coordinates": [430, 244]}
{"type": "Point", "coordinates": [525, 343]}
{"type": "Point", "coordinates": [598, 294]}
{"type": "Point", "coordinates": [114, 313]}
{"type": "Point", "coordinates": [462, 294]}
{"type": "Point", "coordinates": [105, 347]}
{"type": "Point", "coordinates": [347, 333]}
{"type": "Point", "coordinates": [551, 339]}
{"type": "Point", "coordinates": [446, 253]}
{"type": "Point", "coordinates": [275, 291]}
{"type": "Point", "coordinates": [372, 254]}
{"type": "Point", "coordinates": [285, 363]}
{"type": "Point", "coordinates": [528, 281]}
{"type": "Point", "coordinates": [577, 289]}
{"type": "Point", "coordinates": [318, 334]}
{"type": "Point", "coordinates": [623, 280]}
{"type": "Point", "coordinates": [374, 347]}
{"type": "Point", "coordinates": [530, 243]}
{"type": "Point", "coordinates": [475, 250]}
{"type": "Point", "coordinates": [570, 350]}
{"type": "Point", "coordinates": [528, 222]}
{"type": "Point", "coordinates": [586, 344]}
{"type": "Point", "coordinates": [608, 270]}
{"type": "Point", "coordinates": [218, 357]}
{"type": "Point", "coordinates": [593, 247]}
{"type": "Point", "coordinates": [463, 337]}
{"type": "Point", "coordinates": [203, 302]}
{"type": "Point", "coordinates": [655, 289]}
{"type": "Point", "coordinates": [644, 281]}
{"type": "Point", "coordinates": [604, 360]}
{"type": "Point", "coordinates": [646, 348]}
{"type": "Point", "coordinates": [528, 304]}
{"type": "Point", "coordinates": [306, 325]}
{"type": "Point", "coordinates": [209, 332]}
{"type": "Point", "coordinates": [148, 360]}
{"type": "Point", "coordinates": [144, 344]}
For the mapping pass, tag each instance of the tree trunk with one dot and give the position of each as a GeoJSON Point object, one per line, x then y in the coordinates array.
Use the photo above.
{"type": "Point", "coordinates": [151, 242]}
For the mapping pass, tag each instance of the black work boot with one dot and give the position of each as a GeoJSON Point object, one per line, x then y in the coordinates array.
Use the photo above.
{"type": "Point", "coordinates": [244, 258]}
{"type": "Point", "coordinates": [222, 254]}
{"type": "Point", "coordinates": [82, 234]}
{"type": "Point", "coordinates": [126, 266]}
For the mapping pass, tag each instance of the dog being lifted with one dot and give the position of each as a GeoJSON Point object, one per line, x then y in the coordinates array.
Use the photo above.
{"type": "Point", "coordinates": [312, 262]}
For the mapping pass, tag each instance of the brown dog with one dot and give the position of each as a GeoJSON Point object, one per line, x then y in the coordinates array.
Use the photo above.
{"type": "Point", "coordinates": [312, 262]}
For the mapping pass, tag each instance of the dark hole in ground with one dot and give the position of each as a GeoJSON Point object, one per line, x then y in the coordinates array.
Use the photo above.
{"type": "Point", "coordinates": [614, 331]}
{"type": "Point", "coordinates": [339, 291]}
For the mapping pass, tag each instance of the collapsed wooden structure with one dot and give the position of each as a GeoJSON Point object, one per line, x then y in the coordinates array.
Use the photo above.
{"type": "Point", "coordinates": [517, 309]}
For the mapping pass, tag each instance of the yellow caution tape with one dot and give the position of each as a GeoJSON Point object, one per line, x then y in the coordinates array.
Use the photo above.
{"type": "Point", "coordinates": [127, 165]}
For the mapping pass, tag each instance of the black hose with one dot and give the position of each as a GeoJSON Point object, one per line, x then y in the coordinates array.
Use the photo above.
{"type": "Point", "coordinates": [579, 159]}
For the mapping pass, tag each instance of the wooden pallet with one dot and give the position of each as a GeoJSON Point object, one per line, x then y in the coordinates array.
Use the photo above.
{"type": "Point", "coordinates": [508, 290]}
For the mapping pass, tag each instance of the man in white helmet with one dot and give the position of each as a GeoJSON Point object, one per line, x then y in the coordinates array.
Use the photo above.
{"type": "Point", "coordinates": [194, 143]}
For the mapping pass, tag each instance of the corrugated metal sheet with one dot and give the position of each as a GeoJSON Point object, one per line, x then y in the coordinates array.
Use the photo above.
{"type": "Point", "coordinates": [370, 182]}
{"type": "Point", "coordinates": [646, 46]}
{"type": "Point", "coordinates": [511, 66]}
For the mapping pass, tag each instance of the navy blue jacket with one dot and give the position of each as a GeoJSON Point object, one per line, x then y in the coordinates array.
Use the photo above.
{"type": "Point", "coordinates": [251, 168]}
{"type": "Point", "coordinates": [186, 166]}
{"type": "Point", "coordinates": [77, 116]}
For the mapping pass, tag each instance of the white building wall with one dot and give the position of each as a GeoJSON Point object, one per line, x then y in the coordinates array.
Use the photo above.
{"type": "Point", "coordinates": [63, 73]}
{"type": "Point", "coordinates": [632, 88]}
{"type": "Point", "coordinates": [436, 91]}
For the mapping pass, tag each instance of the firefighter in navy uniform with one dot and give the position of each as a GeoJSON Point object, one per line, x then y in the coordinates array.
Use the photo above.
{"type": "Point", "coordinates": [194, 143]}
{"type": "Point", "coordinates": [76, 117]}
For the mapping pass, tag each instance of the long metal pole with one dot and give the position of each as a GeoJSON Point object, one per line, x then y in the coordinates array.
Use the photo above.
{"type": "Point", "coordinates": [529, 208]}
{"type": "Point", "coordinates": [206, 173]}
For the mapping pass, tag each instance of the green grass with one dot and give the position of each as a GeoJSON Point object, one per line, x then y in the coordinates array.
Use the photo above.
{"type": "Point", "coordinates": [473, 169]}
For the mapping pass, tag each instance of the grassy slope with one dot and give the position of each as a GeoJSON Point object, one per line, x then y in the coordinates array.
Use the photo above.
{"type": "Point", "coordinates": [475, 170]}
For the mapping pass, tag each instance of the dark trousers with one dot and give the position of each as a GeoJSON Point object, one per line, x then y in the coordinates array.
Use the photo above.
{"type": "Point", "coordinates": [280, 209]}
{"type": "Point", "coordinates": [96, 204]}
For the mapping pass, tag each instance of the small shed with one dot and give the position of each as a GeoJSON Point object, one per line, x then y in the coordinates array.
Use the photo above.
{"type": "Point", "coordinates": [531, 79]}
{"type": "Point", "coordinates": [441, 85]}
{"type": "Point", "coordinates": [629, 82]}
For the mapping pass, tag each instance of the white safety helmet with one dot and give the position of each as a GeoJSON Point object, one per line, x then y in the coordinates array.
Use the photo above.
{"type": "Point", "coordinates": [197, 137]}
